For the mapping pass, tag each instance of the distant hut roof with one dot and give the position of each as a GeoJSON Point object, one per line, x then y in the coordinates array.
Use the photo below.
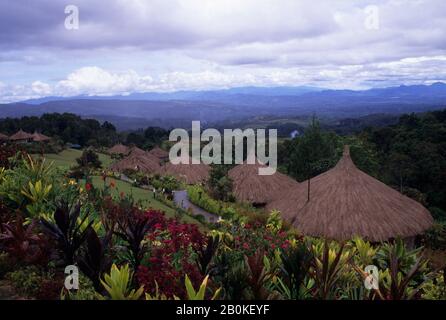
{"type": "Point", "coordinates": [137, 151]}
{"type": "Point", "coordinates": [159, 153]}
{"type": "Point", "coordinates": [38, 137]}
{"type": "Point", "coordinates": [21, 135]}
{"type": "Point", "coordinates": [137, 161]}
{"type": "Point", "coordinates": [249, 186]}
{"type": "Point", "coordinates": [346, 202]}
{"type": "Point", "coordinates": [3, 137]}
{"type": "Point", "coordinates": [119, 149]}
{"type": "Point", "coordinates": [189, 173]}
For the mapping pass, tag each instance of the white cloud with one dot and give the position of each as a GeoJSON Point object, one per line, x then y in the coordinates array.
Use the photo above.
{"type": "Point", "coordinates": [158, 45]}
{"type": "Point", "coordinates": [41, 88]}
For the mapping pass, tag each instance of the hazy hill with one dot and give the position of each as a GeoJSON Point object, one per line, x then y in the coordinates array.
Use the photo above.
{"type": "Point", "coordinates": [179, 108]}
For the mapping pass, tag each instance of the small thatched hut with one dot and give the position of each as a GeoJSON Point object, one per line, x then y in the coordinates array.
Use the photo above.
{"type": "Point", "coordinates": [138, 160]}
{"type": "Point", "coordinates": [21, 136]}
{"type": "Point", "coordinates": [137, 151]}
{"type": "Point", "coordinates": [38, 137]}
{"type": "Point", "coordinates": [346, 202]}
{"type": "Point", "coordinates": [3, 137]}
{"type": "Point", "coordinates": [248, 186]}
{"type": "Point", "coordinates": [161, 154]}
{"type": "Point", "coordinates": [119, 149]}
{"type": "Point", "coordinates": [189, 173]}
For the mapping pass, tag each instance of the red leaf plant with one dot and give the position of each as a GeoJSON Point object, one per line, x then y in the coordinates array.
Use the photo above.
{"type": "Point", "coordinates": [170, 257]}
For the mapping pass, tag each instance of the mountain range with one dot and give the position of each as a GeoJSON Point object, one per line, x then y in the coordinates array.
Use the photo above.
{"type": "Point", "coordinates": [179, 108]}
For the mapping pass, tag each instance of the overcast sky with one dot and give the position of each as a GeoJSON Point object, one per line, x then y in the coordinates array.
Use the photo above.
{"type": "Point", "coordinates": [124, 46]}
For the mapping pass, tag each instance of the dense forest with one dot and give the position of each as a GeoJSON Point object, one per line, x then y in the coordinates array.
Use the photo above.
{"type": "Point", "coordinates": [70, 128]}
{"type": "Point", "coordinates": [412, 157]}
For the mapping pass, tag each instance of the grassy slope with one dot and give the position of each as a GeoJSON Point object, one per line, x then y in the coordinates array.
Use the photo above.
{"type": "Point", "coordinates": [67, 159]}
{"type": "Point", "coordinates": [140, 195]}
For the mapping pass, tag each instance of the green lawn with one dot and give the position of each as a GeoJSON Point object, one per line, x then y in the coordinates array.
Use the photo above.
{"type": "Point", "coordinates": [67, 158]}
{"type": "Point", "coordinates": [138, 194]}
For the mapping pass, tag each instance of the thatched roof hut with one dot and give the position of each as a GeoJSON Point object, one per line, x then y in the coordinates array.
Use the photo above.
{"type": "Point", "coordinates": [346, 202]}
{"type": "Point", "coordinates": [161, 154]}
{"type": "Point", "coordinates": [137, 151]}
{"type": "Point", "coordinates": [38, 137]}
{"type": "Point", "coordinates": [189, 173]}
{"type": "Point", "coordinates": [249, 186]}
{"type": "Point", "coordinates": [119, 149]}
{"type": "Point", "coordinates": [21, 136]}
{"type": "Point", "coordinates": [139, 161]}
{"type": "Point", "coordinates": [3, 137]}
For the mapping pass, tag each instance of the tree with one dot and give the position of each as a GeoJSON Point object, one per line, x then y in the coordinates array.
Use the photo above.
{"type": "Point", "coordinates": [219, 183]}
{"type": "Point", "coordinates": [313, 153]}
{"type": "Point", "coordinates": [86, 163]}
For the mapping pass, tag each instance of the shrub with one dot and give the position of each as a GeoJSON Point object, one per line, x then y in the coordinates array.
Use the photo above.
{"type": "Point", "coordinates": [6, 264]}
{"type": "Point", "coordinates": [435, 237]}
{"type": "Point", "coordinates": [118, 284]}
{"type": "Point", "coordinates": [24, 244]}
{"type": "Point", "coordinates": [170, 257]}
{"type": "Point", "coordinates": [68, 229]}
{"type": "Point", "coordinates": [33, 282]}
{"type": "Point", "coordinates": [6, 153]}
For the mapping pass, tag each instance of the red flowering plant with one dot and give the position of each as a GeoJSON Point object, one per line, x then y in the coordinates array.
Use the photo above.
{"type": "Point", "coordinates": [251, 238]}
{"type": "Point", "coordinates": [171, 255]}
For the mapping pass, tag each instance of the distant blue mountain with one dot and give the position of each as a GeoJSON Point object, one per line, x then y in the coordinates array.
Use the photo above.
{"type": "Point", "coordinates": [172, 109]}
{"type": "Point", "coordinates": [191, 95]}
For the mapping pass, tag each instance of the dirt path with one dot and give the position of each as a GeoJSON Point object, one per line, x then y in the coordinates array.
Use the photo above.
{"type": "Point", "coordinates": [181, 199]}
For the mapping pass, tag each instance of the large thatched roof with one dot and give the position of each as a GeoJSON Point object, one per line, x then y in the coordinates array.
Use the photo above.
{"type": "Point", "coordinates": [189, 173]}
{"type": "Point", "coordinates": [138, 160]}
{"type": "Point", "coordinates": [119, 149]}
{"type": "Point", "coordinates": [249, 186]}
{"type": "Point", "coordinates": [38, 137]}
{"type": "Point", "coordinates": [159, 153]}
{"type": "Point", "coordinates": [21, 135]}
{"type": "Point", "coordinates": [346, 202]}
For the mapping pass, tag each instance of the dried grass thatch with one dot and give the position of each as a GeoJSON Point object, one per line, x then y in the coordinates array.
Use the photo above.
{"type": "Point", "coordinates": [137, 151]}
{"type": "Point", "coordinates": [119, 149]}
{"type": "Point", "coordinates": [188, 173]}
{"type": "Point", "coordinates": [161, 154]}
{"type": "Point", "coordinates": [38, 137]}
{"type": "Point", "coordinates": [20, 136]}
{"type": "Point", "coordinates": [3, 137]}
{"type": "Point", "coordinates": [138, 160]}
{"type": "Point", "coordinates": [249, 186]}
{"type": "Point", "coordinates": [346, 202]}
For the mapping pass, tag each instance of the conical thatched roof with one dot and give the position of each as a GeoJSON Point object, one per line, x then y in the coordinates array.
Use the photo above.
{"type": "Point", "coordinates": [138, 160]}
{"type": "Point", "coordinates": [119, 149]}
{"type": "Point", "coordinates": [137, 151]}
{"type": "Point", "coordinates": [249, 186]}
{"type": "Point", "coordinates": [159, 153]}
{"type": "Point", "coordinates": [3, 137]}
{"type": "Point", "coordinates": [346, 202]}
{"type": "Point", "coordinates": [189, 173]}
{"type": "Point", "coordinates": [38, 137]}
{"type": "Point", "coordinates": [21, 135]}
